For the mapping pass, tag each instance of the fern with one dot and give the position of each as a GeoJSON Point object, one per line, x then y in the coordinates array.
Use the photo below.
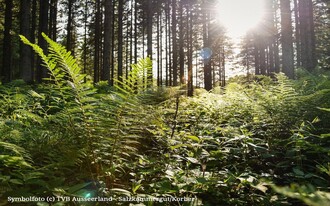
{"type": "Point", "coordinates": [107, 127]}
{"type": "Point", "coordinates": [137, 80]}
{"type": "Point", "coordinates": [79, 105]}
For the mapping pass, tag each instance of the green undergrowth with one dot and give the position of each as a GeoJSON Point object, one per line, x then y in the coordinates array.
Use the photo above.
{"type": "Point", "coordinates": [265, 142]}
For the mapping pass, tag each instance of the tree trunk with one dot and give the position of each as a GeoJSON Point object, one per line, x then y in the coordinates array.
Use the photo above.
{"type": "Point", "coordinates": [120, 40]}
{"type": "Point", "coordinates": [167, 36]}
{"type": "Point", "coordinates": [42, 71]}
{"type": "Point", "coordinates": [181, 45]}
{"type": "Point", "coordinates": [97, 38]}
{"type": "Point", "coordinates": [297, 33]}
{"type": "Point", "coordinates": [69, 27]}
{"type": "Point", "coordinates": [257, 56]}
{"type": "Point", "coordinates": [307, 35]}
{"type": "Point", "coordinates": [33, 35]}
{"type": "Point", "coordinates": [286, 39]}
{"type": "Point", "coordinates": [135, 32]}
{"type": "Point", "coordinates": [190, 51]}
{"type": "Point", "coordinates": [25, 50]}
{"type": "Point", "coordinates": [53, 20]}
{"type": "Point", "coordinates": [158, 49]}
{"type": "Point", "coordinates": [112, 56]}
{"type": "Point", "coordinates": [85, 38]}
{"type": "Point", "coordinates": [149, 37]}
{"type": "Point", "coordinates": [107, 40]}
{"type": "Point", "coordinates": [169, 47]}
{"type": "Point", "coordinates": [206, 42]}
{"type": "Point", "coordinates": [7, 51]}
{"type": "Point", "coordinates": [174, 44]}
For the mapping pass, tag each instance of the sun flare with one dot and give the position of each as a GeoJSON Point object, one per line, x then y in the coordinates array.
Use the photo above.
{"type": "Point", "coordinates": [238, 16]}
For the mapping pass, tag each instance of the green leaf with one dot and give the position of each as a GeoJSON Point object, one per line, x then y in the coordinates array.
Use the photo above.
{"type": "Point", "coordinates": [261, 186]}
{"type": "Point", "coordinates": [297, 171]}
{"type": "Point", "coordinates": [121, 191]}
{"type": "Point", "coordinates": [324, 109]}
{"type": "Point", "coordinates": [16, 181]}
{"type": "Point", "coordinates": [192, 160]}
{"type": "Point", "coordinates": [194, 138]}
{"type": "Point", "coordinates": [178, 146]}
{"type": "Point", "coordinates": [134, 189]}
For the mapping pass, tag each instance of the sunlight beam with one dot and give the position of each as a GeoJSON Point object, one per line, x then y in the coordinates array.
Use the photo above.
{"type": "Point", "coordinates": [239, 16]}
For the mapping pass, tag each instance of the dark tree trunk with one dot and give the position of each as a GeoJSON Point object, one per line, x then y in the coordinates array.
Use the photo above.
{"type": "Point", "coordinates": [169, 47]}
{"type": "Point", "coordinates": [53, 20]}
{"type": "Point", "coordinates": [286, 39]}
{"type": "Point", "coordinates": [206, 42]}
{"type": "Point", "coordinates": [262, 58]}
{"type": "Point", "coordinates": [127, 45]}
{"type": "Point", "coordinates": [6, 69]}
{"type": "Point", "coordinates": [112, 56]}
{"type": "Point", "coordinates": [158, 50]}
{"type": "Point", "coordinates": [276, 56]}
{"type": "Point", "coordinates": [271, 37]}
{"type": "Point", "coordinates": [69, 27]}
{"type": "Point", "coordinates": [149, 37]}
{"type": "Point", "coordinates": [33, 35]}
{"type": "Point", "coordinates": [131, 34]}
{"type": "Point", "coordinates": [25, 50]}
{"type": "Point", "coordinates": [120, 40]}
{"type": "Point", "coordinates": [311, 37]}
{"type": "Point", "coordinates": [85, 37]}
{"type": "Point", "coordinates": [181, 45]}
{"type": "Point", "coordinates": [167, 72]}
{"type": "Point", "coordinates": [297, 33]}
{"type": "Point", "coordinates": [135, 32]}
{"type": "Point", "coordinates": [97, 37]}
{"type": "Point", "coordinates": [257, 56]}
{"type": "Point", "coordinates": [190, 51]}
{"type": "Point", "coordinates": [307, 35]}
{"type": "Point", "coordinates": [174, 44]}
{"type": "Point", "coordinates": [107, 40]}
{"type": "Point", "coordinates": [42, 72]}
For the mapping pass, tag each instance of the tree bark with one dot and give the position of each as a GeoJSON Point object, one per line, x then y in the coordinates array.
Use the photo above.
{"type": "Point", "coordinates": [107, 40]}
{"type": "Point", "coordinates": [190, 51]}
{"type": "Point", "coordinates": [174, 44]}
{"type": "Point", "coordinates": [33, 35]}
{"type": "Point", "coordinates": [53, 20]}
{"type": "Point", "coordinates": [25, 50]}
{"type": "Point", "coordinates": [181, 45]}
{"type": "Point", "coordinates": [206, 42]}
{"type": "Point", "coordinates": [286, 39]}
{"type": "Point", "coordinates": [120, 40]}
{"type": "Point", "coordinates": [97, 38]}
{"type": "Point", "coordinates": [307, 34]}
{"type": "Point", "coordinates": [42, 71]}
{"type": "Point", "coordinates": [6, 69]}
{"type": "Point", "coordinates": [297, 33]}
{"type": "Point", "coordinates": [149, 38]}
{"type": "Point", "coordinates": [69, 27]}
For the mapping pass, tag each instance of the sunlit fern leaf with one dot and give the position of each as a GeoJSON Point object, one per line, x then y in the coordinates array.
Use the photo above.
{"type": "Point", "coordinates": [137, 80]}
{"type": "Point", "coordinates": [17, 151]}
{"type": "Point", "coordinates": [47, 61]}
{"type": "Point", "coordinates": [63, 68]}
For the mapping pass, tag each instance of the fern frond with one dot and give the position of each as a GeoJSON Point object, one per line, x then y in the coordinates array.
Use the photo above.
{"type": "Point", "coordinates": [137, 80]}
{"type": "Point", "coordinates": [49, 62]}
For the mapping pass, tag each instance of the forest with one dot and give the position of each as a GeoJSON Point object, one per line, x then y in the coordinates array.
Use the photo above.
{"type": "Point", "coordinates": [164, 102]}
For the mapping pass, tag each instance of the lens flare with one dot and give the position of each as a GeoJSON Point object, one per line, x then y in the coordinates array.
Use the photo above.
{"type": "Point", "coordinates": [205, 53]}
